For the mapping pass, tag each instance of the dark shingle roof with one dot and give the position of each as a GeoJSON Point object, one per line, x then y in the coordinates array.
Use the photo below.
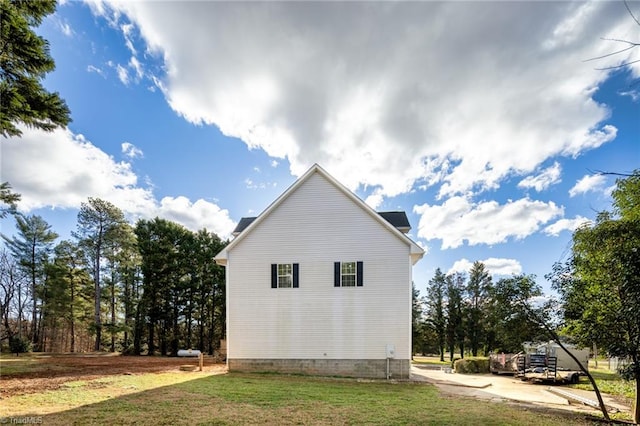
{"type": "Point", "coordinates": [244, 222]}
{"type": "Point", "coordinates": [397, 219]}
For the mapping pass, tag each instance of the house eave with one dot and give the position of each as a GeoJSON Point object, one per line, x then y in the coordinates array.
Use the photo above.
{"type": "Point", "coordinates": [221, 258]}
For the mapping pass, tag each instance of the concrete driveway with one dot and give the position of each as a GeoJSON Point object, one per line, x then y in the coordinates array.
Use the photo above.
{"type": "Point", "coordinates": [508, 388]}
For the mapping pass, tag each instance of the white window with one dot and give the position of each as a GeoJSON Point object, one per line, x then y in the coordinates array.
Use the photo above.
{"type": "Point", "coordinates": [348, 274]}
{"type": "Point", "coordinates": [284, 275]}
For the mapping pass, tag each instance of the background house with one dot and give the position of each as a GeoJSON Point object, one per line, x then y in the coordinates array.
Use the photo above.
{"type": "Point", "coordinates": [320, 283]}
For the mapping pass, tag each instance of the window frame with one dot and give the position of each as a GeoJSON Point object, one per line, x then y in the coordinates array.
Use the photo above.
{"type": "Point", "coordinates": [348, 274]}
{"type": "Point", "coordinates": [285, 275]}
{"type": "Point", "coordinates": [338, 274]}
{"type": "Point", "coordinates": [277, 277]}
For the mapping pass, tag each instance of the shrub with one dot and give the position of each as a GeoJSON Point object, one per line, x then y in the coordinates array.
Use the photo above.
{"type": "Point", "coordinates": [472, 365]}
{"type": "Point", "coordinates": [19, 345]}
{"type": "Point", "coordinates": [129, 350]}
{"type": "Point", "coordinates": [453, 363]}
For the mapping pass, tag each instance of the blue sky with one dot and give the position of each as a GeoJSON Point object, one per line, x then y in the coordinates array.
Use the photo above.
{"type": "Point", "coordinates": [482, 120]}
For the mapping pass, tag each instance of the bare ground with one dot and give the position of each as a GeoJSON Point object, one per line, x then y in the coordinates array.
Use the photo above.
{"type": "Point", "coordinates": [50, 371]}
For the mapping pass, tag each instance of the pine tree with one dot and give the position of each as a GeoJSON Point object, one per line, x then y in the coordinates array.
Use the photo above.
{"type": "Point", "coordinates": [455, 285]}
{"type": "Point", "coordinates": [435, 301]}
{"type": "Point", "coordinates": [31, 247]}
{"type": "Point", "coordinates": [8, 200]}
{"type": "Point", "coordinates": [100, 225]}
{"type": "Point", "coordinates": [69, 284]}
{"type": "Point", "coordinates": [477, 290]}
{"type": "Point", "coordinates": [24, 61]}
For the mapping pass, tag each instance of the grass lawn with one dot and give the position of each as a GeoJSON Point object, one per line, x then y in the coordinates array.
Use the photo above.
{"type": "Point", "coordinates": [203, 398]}
{"type": "Point", "coordinates": [430, 360]}
{"type": "Point", "coordinates": [25, 364]}
{"type": "Point", "coordinates": [608, 382]}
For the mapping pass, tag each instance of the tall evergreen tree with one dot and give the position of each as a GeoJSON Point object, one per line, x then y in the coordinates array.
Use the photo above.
{"type": "Point", "coordinates": [455, 285]}
{"type": "Point", "coordinates": [128, 261]}
{"type": "Point", "coordinates": [120, 253]}
{"type": "Point", "coordinates": [69, 285]}
{"type": "Point", "coordinates": [417, 320]}
{"type": "Point", "coordinates": [435, 300]}
{"type": "Point", "coordinates": [8, 200]}
{"type": "Point", "coordinates": [210, 311]}
{"type": "Point", "coordinates": [477, 295]}
{"type": "Point", "coordinates": [182, 302]}
{"type": "Point", "coordinates": [159, 244]}
{"type": "Point", "coordinates": [100, 224]}
{"type": "Point", "coordinates": [31, 247]}
{"type": "Point", "coordinates": [24, 61]}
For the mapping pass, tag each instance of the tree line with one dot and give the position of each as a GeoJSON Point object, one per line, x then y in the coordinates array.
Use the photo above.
{"type": "Point", "coordinates": [149, 288]}
{"type": "Point", "coordinates": [155, 286]}
{"type": "Point", "coordinates": [468, 314]}
{"type": "Point", "coordinates": [597, 303]}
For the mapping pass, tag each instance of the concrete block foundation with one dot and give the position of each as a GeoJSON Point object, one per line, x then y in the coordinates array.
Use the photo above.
{"type": "Point", "coordinates": [361, 368]}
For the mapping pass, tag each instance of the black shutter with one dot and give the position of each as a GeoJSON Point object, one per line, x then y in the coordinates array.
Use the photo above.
{"type": "Point", "coordinates": [359, 267]}
{"type": "Point", "coordinates": [274, 275]}
{"type": "Point", "coordinates": [336, 274]}
{"type": "Point", "coordinates": [295, 275]}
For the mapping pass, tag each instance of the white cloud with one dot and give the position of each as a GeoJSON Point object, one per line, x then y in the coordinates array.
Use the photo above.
{"type": "Point", "coordinates": [65, 28]}
{"type": "Point", "coordinates": [424, 246]}
{"type": "Point", "coordinates": [375, 200]}
{"type": "Point", "coordinates": [61, 170]}
{"type": "Point", "coordinates": [198, 215]}
{"type": "Point", "coordinates": [633, 94]}
{"type": "Point", "coordinates": [495, 266]}
{"type": "Point", "coordinates": [137, 67]}
{"type": "Point", "coordinates": [250, 184]}
{"type": "Point", "coordinates": [458, 220]}
{"type": "Point", "coordinates": [127, 30]}
{"type": "Point", "coordinates": [375, 92]}
{"type": "Point", "coordinates": [91, 68]}
{"type": "Point", "coordinates": [131, 151]}
{"type": "Point", "coordinates": [565, 225]}
{"type": "Point", "coordinates": [588, 183]}
{"type": "Point", "coordinates": [545, 179]}
{"type": "Point", "coordinates": [123, 74]}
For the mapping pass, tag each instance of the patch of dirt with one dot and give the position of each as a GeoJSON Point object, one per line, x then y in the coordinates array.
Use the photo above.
{"type": "Point", "coordinates": [55, 370]}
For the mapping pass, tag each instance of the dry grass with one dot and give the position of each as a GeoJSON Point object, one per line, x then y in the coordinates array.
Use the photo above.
{"type": "Point", "coordinates": [206, 398]}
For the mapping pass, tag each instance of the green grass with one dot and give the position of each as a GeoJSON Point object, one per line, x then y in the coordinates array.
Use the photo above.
{"type": "Point", "coordinates": [430, 360]}
{"type": "Point", "coordinates": [28, 363]}
{"type": "Point", "coordinates": [608, 382]}
{"type": "Point", "coordinates": [192, 398]}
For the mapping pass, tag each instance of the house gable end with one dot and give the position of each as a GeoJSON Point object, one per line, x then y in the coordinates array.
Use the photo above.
{"type": "Point", "coordinates": [247, 225]}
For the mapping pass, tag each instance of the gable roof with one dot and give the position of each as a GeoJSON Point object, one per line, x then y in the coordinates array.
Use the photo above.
{"type": "Point", "coordinates": [242, 225]}
{"type": "Point", "coordinates": [397, 219]}
{"type": "Point", "coordinates": [246, 224]}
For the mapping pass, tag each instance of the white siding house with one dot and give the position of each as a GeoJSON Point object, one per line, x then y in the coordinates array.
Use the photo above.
{"type": "Point", "coordinates": [319, 283]}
